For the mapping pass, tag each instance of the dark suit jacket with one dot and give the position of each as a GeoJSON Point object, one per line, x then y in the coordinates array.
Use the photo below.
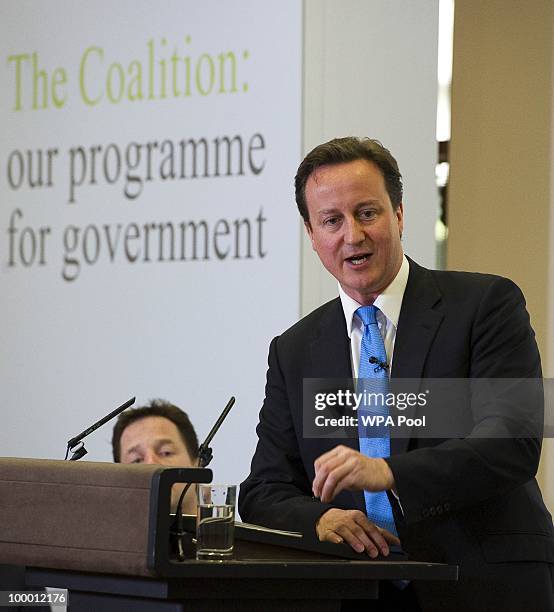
{"type": "Point", "coordinates": [472, 501]}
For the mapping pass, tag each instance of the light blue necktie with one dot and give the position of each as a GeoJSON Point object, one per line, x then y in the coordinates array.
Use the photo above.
{"type": "Point", "coordinates": [373, 378]}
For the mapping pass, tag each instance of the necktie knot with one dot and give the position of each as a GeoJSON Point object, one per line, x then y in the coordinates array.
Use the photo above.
{"type": "Point", "coordinates": [367, 314]}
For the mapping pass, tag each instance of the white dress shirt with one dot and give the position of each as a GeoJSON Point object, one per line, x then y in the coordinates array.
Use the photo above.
{"type": "Point", "coordinates": [389, 303]}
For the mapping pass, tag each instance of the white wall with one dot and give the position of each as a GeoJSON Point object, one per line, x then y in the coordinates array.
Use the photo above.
{"type": "Point", "coordinates": [370, 69]}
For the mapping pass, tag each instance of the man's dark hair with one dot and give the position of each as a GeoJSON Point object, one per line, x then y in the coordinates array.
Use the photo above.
{"type": "Point", "coordinates": [344, 150]}
{"type": "Point", "coordinates": [159, 408]}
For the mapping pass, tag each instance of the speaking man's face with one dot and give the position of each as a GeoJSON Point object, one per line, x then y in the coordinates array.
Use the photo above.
{"type": "Point", "coordinates": [353, 227]}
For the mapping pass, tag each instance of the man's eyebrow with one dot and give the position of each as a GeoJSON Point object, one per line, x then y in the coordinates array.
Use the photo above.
{"type": "Point", "coordinates": [325, 211]}
{"type": "Point", "coordinates": [335, 209]}
{"type": "Point", "coordinates": [163, 441]}
{"type": "Point", "coordinates": [371, 203]}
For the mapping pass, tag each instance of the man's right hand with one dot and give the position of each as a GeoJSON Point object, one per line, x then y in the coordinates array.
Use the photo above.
{"type": "Point", "coordinates": [354, 528]}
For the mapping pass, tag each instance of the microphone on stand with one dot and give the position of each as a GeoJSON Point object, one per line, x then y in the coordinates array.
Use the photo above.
{"type": "Point", "coordinates": [205, 455]}
{"type": "Point", "coordinates": [80, 451]}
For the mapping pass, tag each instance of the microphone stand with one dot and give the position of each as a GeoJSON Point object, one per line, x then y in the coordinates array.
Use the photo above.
{"type": "Point", "coordinates": [81, 451]}
{"type": "Point", "coordinates": [205, 455]}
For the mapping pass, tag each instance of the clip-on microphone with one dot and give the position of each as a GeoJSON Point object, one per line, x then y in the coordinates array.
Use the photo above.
{"type": "Point", "coordinates": [381, 365]}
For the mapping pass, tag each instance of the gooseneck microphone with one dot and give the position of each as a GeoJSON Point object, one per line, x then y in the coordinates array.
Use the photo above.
{"type": "Point", "coordinates": [205, 455]}
{"type": "Point", "coordinates": [80, 451]}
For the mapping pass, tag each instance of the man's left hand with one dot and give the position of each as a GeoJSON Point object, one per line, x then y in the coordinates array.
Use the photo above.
{"type": "Point", "coordinates": [343, 468]}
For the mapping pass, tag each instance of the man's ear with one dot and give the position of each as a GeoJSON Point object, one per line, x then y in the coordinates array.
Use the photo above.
{"type": "Point", "coordinates": [399, 213]}
{"type": "Point", "coordinates": [309, 231]}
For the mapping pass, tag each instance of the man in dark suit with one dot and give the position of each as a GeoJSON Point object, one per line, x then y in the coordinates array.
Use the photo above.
{"type": "Point", "coordinates": [471, 500]}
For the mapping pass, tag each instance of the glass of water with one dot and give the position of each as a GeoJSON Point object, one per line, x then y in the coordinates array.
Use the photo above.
{"type": "Point", "coordinates": [215, 521]}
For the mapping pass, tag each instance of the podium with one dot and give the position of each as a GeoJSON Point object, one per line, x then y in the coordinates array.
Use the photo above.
{"type": "Point", "coordinates": [102, 531]}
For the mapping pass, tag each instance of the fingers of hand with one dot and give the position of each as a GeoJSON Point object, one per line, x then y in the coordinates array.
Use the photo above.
{"type": "Point", "coordinates": [353, 527]}
{"type": "Point", "coordinates": [331, 536]}
{"type": "Point", "coordinates": [358, 539]}
{"type": "Point", "coordinates": [322, 466]}
{"type": "Point", "coordinates": [340, 477]}
{"type": "Point", "coordinates": [336, 470]}
{"type": "Point", "coordinates": [325, 480]}
{"type": "Point", "coordinates": [375, 534]}
{"type": "Point", "coordinates": [390, 537]}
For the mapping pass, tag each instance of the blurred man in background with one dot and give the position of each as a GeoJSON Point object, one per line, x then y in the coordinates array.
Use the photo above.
{"type": "Point", "coordinates": [160, 434]}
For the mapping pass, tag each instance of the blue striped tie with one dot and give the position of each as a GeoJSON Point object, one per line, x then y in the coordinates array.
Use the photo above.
{"type": "Point", "coordinates": [373, 378]}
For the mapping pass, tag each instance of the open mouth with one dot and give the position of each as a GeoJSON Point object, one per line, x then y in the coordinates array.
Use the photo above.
{"type": "Point", "coordinates": [358, 260]}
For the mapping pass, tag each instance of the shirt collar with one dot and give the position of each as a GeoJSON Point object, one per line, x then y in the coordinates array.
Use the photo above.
{"type": "Point", "coordinates": [389, 302]}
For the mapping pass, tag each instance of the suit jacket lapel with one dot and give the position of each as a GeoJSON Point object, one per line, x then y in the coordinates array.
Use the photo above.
{"type": "Point", "coordinates": [330, 345]}
{"type": "Point", "coordinates": [417, 326]}
{"type": "Point", "coordinates": [330, 354]}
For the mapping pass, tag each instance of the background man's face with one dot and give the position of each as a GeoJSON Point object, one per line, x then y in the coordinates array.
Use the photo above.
{"type": "Point", "coordinates": [156, 440]}
{"type": "Point", "coordinates": [353, 227]}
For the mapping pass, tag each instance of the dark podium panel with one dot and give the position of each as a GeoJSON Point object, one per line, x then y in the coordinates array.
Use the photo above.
{"type": "Point", "coordinates": [239, 585]}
